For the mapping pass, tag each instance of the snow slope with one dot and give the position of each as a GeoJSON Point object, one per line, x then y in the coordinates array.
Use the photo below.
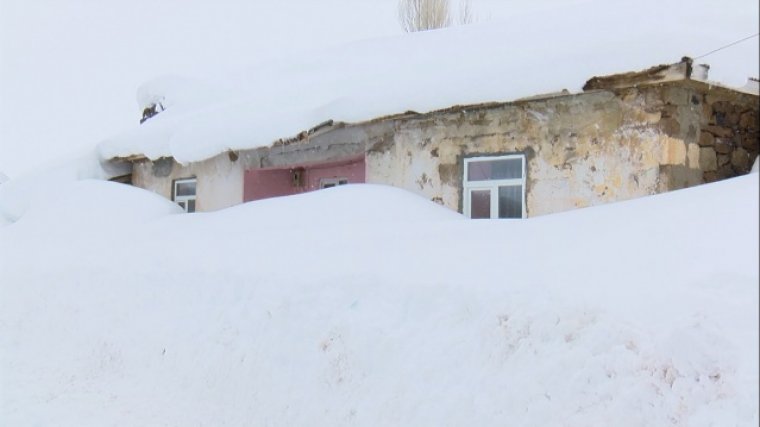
{"type": "Point", "coordinates": [383, 310]}
{"type": "Point", "coordinates": [42, 186]}
{"type": "Point", "coordinates": [536, 51]}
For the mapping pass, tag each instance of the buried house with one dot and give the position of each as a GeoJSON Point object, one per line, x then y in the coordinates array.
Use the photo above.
{"type": "Point", "coordinates": [624, 136]}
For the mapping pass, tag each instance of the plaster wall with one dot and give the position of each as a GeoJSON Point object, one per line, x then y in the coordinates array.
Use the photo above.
{"type": "Point", "coordinates": [220, 180]}
{"type": "Point", "coordinates": [581, 150]}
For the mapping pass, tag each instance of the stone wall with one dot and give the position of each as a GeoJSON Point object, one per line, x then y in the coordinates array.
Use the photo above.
{"type": "Point", "coordinates": [718, 126]}
{"type": "Point", "coordinates": [729, 141]}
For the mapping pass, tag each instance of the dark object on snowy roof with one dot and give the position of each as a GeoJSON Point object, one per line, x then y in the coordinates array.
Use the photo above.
{"type": "Point", "coordinates": [150, 111]}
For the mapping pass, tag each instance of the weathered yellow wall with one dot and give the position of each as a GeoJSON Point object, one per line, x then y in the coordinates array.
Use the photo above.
{"type": "Point", "coordinates": [582, 150]}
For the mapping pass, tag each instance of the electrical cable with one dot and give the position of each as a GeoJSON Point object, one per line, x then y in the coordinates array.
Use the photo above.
{"type": "Point", "coordinates": [728, 45]}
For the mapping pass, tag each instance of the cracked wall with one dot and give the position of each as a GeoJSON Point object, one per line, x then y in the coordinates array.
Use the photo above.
{"type": "Point", "coordinates": [581, 150]}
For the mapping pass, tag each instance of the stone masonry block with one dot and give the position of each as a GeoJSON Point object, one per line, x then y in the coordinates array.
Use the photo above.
{"type": "Point", "coordinates": [708, 161]}
{"type": "Point", "coordinates": [706, 139]}
{"type": "Point", "coordinates": [718, 131]}
{"type": "Point", "coordinates": [740, 160]}
{"type": "Point", "coordinates": [723, 146]}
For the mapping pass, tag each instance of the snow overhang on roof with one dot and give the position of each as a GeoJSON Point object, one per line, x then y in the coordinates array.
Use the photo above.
{"type": "Point", "coordinates": [683, 70]}
{"type": "Point", "coordinates": [421, 72]}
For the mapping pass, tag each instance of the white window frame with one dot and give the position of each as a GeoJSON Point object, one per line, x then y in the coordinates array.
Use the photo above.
{"type": "Point", "coordinates": [182, 201]}
{"type": "Point", "coordinates": [492, 185]}
{"type": "Point", "coordinates": [332, 182]}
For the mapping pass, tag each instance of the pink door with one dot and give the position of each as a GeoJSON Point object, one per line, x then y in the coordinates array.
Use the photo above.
{"type": "Point", "coordinates": [293, 179]}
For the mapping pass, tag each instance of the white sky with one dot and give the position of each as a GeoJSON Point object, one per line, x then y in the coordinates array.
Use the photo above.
{"type": "Point", "coordinates": [69, 69]}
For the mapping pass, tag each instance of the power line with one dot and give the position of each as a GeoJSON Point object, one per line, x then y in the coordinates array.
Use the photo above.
{"type": "Point", "coordinates": [728, 45]}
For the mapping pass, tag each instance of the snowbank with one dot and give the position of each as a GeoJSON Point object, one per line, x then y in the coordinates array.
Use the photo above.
{"type": "Point", "coordinates": [423, 72]}
{"type": "Point", "coordinates": [347, 204]}
{"type": "Point", "coordinates": [42, 186]}
{"type": "Point", "coordinates": [635, 313]}
{"type": "Point", "coordinates": [93, 204]}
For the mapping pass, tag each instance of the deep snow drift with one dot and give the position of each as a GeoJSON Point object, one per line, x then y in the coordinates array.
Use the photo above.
{"type": "Point", "coordinates": [39, 187]}
{"type": "Point", "coordinates": [365, 305]}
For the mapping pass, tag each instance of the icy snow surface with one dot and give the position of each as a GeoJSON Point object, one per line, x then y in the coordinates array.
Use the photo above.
{"type": "Point", "coordinates": [365, 305]}
{"type": "Point", "coordinates": [538, 51]}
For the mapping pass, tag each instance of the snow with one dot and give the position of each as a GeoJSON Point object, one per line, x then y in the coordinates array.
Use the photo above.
{"type": "Point", "coordinates": [488, 62]}
{"type": "Point", "coordinates": [756, 165]}
{"type": "Point", "coordinates": [380, 309]}
{"type": "Point", "coordinates": [752, 86]}
{"type": "Point", "coordinates": [96, 205]}
{"type": "Point", "coordinates": [3, 220]}
{"type": "Point", "coordinates": [357, 305]}
{"type": "Point", "coordinates": [359, 204]}
{"type": "Point", "coordinates": [39, 186]}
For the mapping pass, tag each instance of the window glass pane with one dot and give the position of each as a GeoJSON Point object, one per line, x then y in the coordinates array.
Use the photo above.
{"type": "Point", "coordinates": [480, 204]}
{"type": "Point", "coordinates": [332, 182]}
{"type": "Point", "coordinates": [182, 205]}
{"type": "Point", "coordinates": [185, 188]}
{"type": "Point", "coordinates": [494, 169]}
{"type": "Point", "coordinates": [510, 201]}
{"type": "Point", "coordinates": [191, 205]}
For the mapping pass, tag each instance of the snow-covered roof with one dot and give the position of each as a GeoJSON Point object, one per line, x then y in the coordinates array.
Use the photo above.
{"type": "Point", "coordinates": [421, 72]}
